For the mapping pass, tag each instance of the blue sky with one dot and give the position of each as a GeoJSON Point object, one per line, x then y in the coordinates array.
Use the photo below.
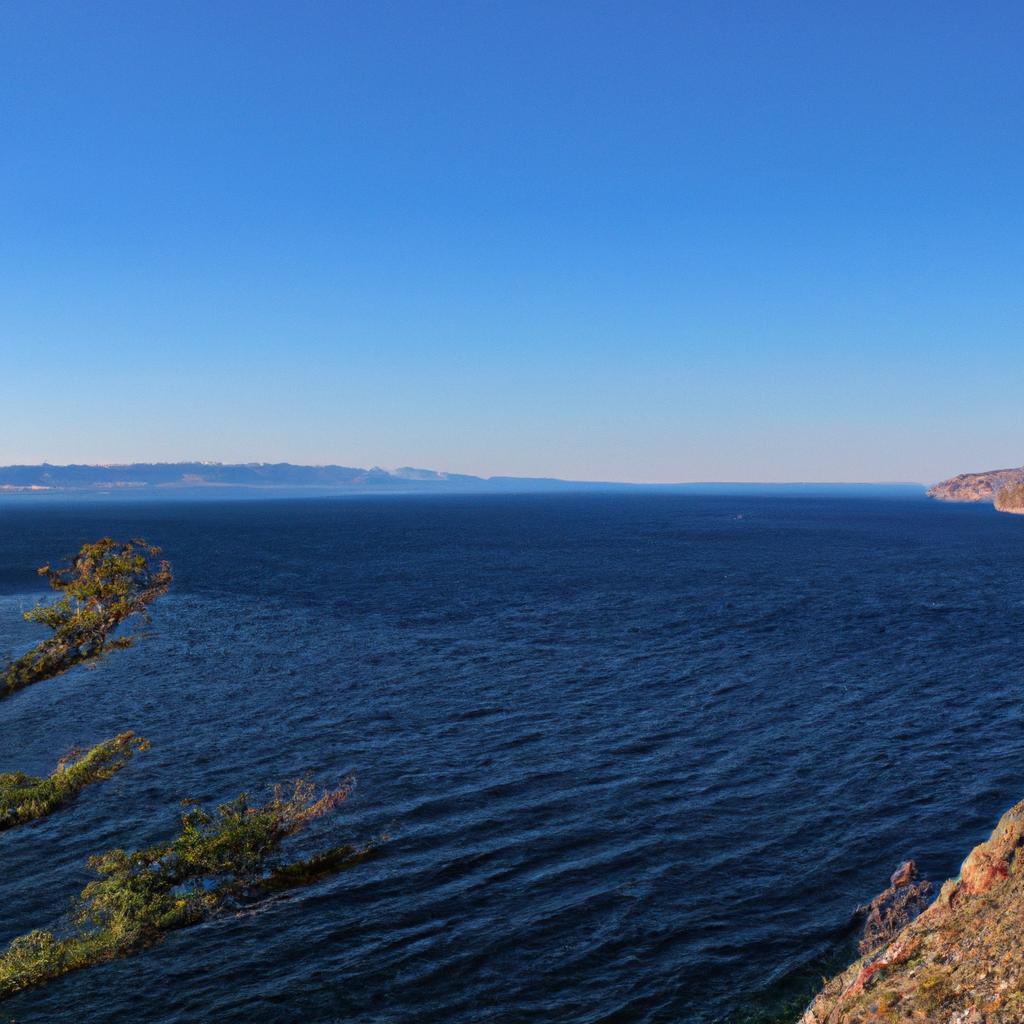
{"type": "Point", "coordinates": [633, 241]}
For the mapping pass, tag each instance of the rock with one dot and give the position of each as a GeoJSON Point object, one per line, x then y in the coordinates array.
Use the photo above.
{"type": "Point", "coordinates": [976, 486]}
{"type": "Point", "coordinates": [891, 911]}
{"type": "Point", "coordinates": [1010, 498]}
{"type": "Point", "coordinates": [903, 875]}
{"type": "Point", "coordinates": [990, 862]}
{"type": "Point", "coordinates": [959, 961]}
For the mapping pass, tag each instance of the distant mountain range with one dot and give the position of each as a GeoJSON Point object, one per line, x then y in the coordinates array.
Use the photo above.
{"type": "Point", "coordinates": [257, 476]}
{"type": "Point", "coordinates": [212, 479]}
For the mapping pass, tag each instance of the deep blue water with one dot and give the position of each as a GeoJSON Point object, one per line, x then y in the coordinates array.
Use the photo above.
{"type": "Point", "coordinates": [640, 755]}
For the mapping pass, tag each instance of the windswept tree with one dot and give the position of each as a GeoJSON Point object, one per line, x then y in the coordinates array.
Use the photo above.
{"type": "Point", "coordinates": [106, 583]}
{"type": "Point", "coordinates": [26, 798]}
{"type": "Point", "coordinates": [218, 858]}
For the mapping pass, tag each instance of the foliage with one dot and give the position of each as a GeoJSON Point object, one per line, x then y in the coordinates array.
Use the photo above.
{"type": "Point", "coordinates": [26, 798]}
{"type": "Point", "coordinates": [106, 583]}
{"type": "Point", "coordinates": [216, 859]}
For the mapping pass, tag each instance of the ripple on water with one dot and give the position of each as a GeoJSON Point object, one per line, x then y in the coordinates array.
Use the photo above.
{"type": "Point", "coordinates": [640, 759]}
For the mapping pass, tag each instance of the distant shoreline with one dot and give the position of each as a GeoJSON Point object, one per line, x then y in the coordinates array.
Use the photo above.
{"type": "Point", "coordinates": [198, 479]}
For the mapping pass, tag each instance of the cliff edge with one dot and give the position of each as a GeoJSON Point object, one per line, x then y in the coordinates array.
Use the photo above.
{"type": "Point", "coordinates": [977, 486]}
{"type": "Point", "coordinates": [960, 962]}
{"type": "Point", "coordinates": [1010, 499]}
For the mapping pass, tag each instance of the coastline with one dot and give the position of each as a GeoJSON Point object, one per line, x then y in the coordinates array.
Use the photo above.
{"type": "Point", "coordinates": [1001, 488]}
{"type": "Point", "coordinates": [961, 960]}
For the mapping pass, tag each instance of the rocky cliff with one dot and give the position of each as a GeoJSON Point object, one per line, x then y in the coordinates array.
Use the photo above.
{"type": "Point", "coordinates": [961, 961]}
{"type": "Point", "coordinates": [1010, 499]}
{"type": "Point", "coordinates": [976, 486]}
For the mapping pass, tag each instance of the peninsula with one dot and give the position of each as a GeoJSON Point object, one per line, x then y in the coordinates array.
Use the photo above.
{"type": "Point", "coordinates": [1004, 488]}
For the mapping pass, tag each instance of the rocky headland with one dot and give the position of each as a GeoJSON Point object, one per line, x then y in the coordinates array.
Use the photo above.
{"type": "Point", "coordinates": [977, 486]}
{"type": "Point", "coordinates": [1010, 499]}
{"type": "Point", "coordinates": [960, 960]}
{"type": "Point", "coordinates": [1004, 488]}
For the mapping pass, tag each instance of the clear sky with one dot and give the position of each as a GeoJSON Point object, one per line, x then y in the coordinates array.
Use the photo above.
{"type": "Point", "coordinates": [634, 241]}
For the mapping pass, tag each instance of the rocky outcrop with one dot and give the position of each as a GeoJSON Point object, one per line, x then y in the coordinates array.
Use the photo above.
{"type": "Point", "coordinates": [976, 486]}
{"type": "Point", "coordinates": [891, 911]}
{"type": "Point", "coordinates": [961, 961]}
{"type": "Point", "coordinates": [1010, 499]}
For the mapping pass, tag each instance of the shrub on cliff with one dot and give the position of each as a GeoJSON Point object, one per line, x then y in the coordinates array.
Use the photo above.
{"type": "Point", "coordinates": [107, 583]}
{"type": "Point", "coordinates": [216, 857]}
{"type": "Point", "coordinates": [25, 798]}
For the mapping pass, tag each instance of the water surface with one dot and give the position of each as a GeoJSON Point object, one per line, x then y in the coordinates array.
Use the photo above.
{"type": "Point", "coordinates": [640, 755]}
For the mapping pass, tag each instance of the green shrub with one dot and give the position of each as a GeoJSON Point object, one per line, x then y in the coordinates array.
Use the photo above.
{"type": "Point", "coordinates": [932, 991]}
{"type": "Point", "coordinates": [227, 854]}
{"type": "Point", "coordinates": [106, 583]}
{"type": "Point", "coordinates": [25, 798]}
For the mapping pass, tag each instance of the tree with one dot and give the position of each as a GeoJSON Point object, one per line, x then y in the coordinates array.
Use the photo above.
{"type": "Point", "coordinates": [105, 584]}
{"type": "Point", "coordinates": [26, 798]}
{"type": "Point", "coordinates": [217, 859]}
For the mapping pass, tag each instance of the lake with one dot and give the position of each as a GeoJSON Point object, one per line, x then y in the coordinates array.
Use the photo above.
{"type": "Point", "coordinates": [639, 756]}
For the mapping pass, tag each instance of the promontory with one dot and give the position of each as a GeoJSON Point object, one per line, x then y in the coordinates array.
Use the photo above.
{"type": "Point", "coordinates": [1004, 488]}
